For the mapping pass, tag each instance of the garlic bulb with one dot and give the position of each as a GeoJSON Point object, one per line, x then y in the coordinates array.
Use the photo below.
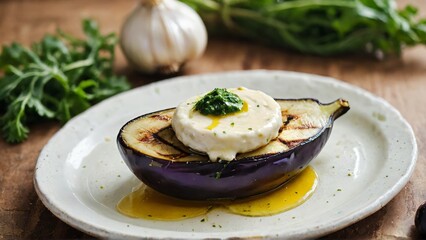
{"type": "Point", "coordinates": [161, 35]}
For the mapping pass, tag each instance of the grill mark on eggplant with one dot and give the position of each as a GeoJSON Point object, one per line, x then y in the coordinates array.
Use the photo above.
{"type": "Point", "coordinates": [302, 127]}
{"type": "Point", "coordinates": [151, 137]}
{"type": "Point", "coordinates": [292, 143]}
{"type": "Point", "coordinates": [147, 137]}
{"type": "Point", "coordinates": [161, 117]}
{"type": "Point", "coordinates": [289, 117]}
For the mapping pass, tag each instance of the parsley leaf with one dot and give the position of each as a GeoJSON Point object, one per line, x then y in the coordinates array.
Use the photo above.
{"type": "Point", "coordinates": [57, 78]}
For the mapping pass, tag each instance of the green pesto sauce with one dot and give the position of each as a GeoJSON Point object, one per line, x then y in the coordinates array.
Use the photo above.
{"type": "Point", "coordinates": [219, 102]}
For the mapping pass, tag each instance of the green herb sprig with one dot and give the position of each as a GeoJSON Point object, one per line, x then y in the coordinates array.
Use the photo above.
{"type": "Point", "coordinates": [57, 78]}
{"type": "Point", "coordinates": [219, 102]}
{"type": "Point", "coordinates": [322, 27]}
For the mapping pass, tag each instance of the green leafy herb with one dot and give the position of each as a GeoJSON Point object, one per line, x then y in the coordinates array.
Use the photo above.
{"type": "Point", "coordinates": [219, 102]}
{"type": "Point", "coordinates": [323, 27]}
{"type": "Point", "coordinates": [57, 78]}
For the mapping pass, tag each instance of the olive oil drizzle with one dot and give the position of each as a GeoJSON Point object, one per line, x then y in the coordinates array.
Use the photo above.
{"type": "Point", "coordinates": [289, 196]}
{"type": "Point", "coordinates": [146, 203]}
{"type": "Point", "coordinates": [216, 119]}
{"type": "Point", "coordinates": [149, 204]}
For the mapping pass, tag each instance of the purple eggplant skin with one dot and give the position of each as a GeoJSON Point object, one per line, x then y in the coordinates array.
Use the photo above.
{"type": "Point", "coordinates": [223, 180]}
{"type": "Point", "coordinates": [420, 220]}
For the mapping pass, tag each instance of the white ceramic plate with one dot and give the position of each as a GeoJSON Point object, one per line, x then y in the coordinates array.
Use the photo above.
{"type": "Point", "coordinates": [370, 156]}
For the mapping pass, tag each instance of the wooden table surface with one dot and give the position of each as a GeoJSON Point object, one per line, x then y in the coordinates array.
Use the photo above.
{"type": "Point", "coordinates": [401, 81]}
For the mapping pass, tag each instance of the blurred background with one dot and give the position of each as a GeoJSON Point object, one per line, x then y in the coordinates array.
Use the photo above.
{"type": "Point", "coordinates": [401, 80]}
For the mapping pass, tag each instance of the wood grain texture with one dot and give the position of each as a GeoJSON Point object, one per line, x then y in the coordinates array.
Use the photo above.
{"type": "Point", "coordinates": [401, 81]}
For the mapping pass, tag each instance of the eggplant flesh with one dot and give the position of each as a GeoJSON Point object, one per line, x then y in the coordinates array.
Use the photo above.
{"type": "Point", "coordinates": [151, 150]}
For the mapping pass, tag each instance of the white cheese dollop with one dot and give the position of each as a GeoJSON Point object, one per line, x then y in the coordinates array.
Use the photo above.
{"type": "Point", "coordinates": [222, 137]}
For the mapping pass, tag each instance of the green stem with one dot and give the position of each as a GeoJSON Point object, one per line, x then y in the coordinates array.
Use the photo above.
{"type": "Point", "coordinates": [256, 16]}
{"type": "Point", "coordinates": [79, 64]}
{"type": "Point", "coordinates": [310, 4]}
{"type": "Point", "coordinates": [234, 2]}
{"type": "Point", "coordinates": [25, 102]}
{"type": "Point", "coordinates": [15, 70]}
{"type": "Point", "coordinates": [35, 58]}
{"type": "Point", "coordinates": [208, 4]}
{"type": "Point", "coordinates": [57, 74]}
{"type": "Point", "coordinates": [60, 77]}
{"type": "Point", "coordinates": [225, 14]}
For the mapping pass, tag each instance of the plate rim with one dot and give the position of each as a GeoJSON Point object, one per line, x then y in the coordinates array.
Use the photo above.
{"type": "Point", "coordinates": [378, 203]}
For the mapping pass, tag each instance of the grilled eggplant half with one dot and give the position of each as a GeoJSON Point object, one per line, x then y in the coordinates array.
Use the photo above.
{"type": "Point", "coordinates": [151, 150]}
